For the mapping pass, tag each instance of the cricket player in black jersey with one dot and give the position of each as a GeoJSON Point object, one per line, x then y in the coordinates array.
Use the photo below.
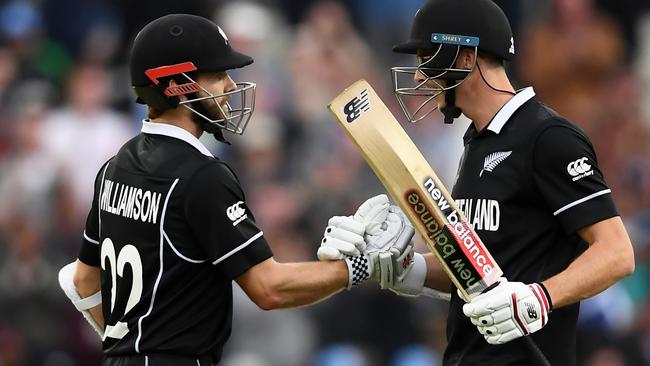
{"type": "Point", "coordinates": [169, 228]}
{"type": "Point", "coordinates": [529, 183]}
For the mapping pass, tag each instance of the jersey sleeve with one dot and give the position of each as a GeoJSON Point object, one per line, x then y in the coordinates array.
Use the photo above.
{"type": "Point", "coordinates": [566, 172]}
{"type": "Point", "coordinates": [89, 252]}
{"type": "Point", "coordinates": [222, 223]}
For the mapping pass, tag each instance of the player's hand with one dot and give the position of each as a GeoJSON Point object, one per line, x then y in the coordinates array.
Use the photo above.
{"type": "Point", "coordinates": [344, 234]}
{"type": "Point", "coordinates": [389, 253]}
{"type": "Point", "coordinates": [412, 284]}
{"type": "Point", "coordinates": [509, 311]}
{"type": "Point", "coordinates": [373, 213]}
{"type": "Point", "coordinates": [385, 253]}
{"type": "Point", "coordinates": [343, 238]}
{"type": "Point", "coordinates": [390, 249]}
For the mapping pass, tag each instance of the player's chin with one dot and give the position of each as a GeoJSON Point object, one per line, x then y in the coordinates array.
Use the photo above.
{"type": "Point", "coordinates": [440, 101]}
{"type": "Point", "coordinates": [218, 113]}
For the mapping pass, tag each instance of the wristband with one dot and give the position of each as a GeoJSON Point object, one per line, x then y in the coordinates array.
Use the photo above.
{"type": "Point", "coordinates": [358, 269]}
{"type": "Point", "coordinates": [548, 296]}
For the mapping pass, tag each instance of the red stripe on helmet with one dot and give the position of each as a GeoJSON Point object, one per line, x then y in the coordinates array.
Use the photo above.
{"type": "Point", "coordinates": [168, 70]}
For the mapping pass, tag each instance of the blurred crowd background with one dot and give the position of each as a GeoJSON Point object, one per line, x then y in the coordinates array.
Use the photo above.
{"type": "Point", "coordinates": [66, 106]}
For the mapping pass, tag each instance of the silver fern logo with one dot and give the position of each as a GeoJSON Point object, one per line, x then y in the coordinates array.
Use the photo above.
{"type": "Point", "coordinates": [494, 159]}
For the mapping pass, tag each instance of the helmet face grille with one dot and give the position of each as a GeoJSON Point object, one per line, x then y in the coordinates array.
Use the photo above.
{"type": "Point", "coordinates": [234, 114]}
{"type": "Point", "coordinates": [416, 87]}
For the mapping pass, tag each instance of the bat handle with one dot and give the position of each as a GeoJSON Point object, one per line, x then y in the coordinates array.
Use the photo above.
{"type": "Point", "coordinates": [536, 356]}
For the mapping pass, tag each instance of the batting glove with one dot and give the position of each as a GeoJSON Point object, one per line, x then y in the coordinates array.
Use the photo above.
{"type": "Point", "coordinates": [344, 234]}
{"type": "Point", "coordinates": [83, 305]}
{"type": "Point", "coordinates": [412, 285]}
{"type": "Point", "coordinates": [392, 246]}
{"type": "Point", "coordinates": [384, 253]}
{"type": "Point", "coordinates": [343, 238]}
{"type": "Point", "coordinates": [386, 257]}
{"type": "Point", "coordinates": [509, 311]}
{"type": "Point", "coordinates": [373, 214]}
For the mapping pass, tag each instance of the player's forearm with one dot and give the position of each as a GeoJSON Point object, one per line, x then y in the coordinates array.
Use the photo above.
{"type": "Point", "coordinates": [436, 279]}
{"type": "Point", "coordinates": [608, 259]}
{"type": "Point", "coordinates": [301, 284]}
{"type": "Point", "coordinates": [287, 285]}
{"type": "Point", "coordinates": [98, 315]}
{"type": "Point", "coordinates": [87, 281]}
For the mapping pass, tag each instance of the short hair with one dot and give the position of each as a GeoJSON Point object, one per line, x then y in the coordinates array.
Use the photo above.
{"type": "Point", "coordinates": [493, 60]}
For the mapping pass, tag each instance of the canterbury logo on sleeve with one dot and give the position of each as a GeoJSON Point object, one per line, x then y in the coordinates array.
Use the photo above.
{"type": "Point", "coordinates": [236, 213]}
{"type": "Point", "coordinates": [579, 169]}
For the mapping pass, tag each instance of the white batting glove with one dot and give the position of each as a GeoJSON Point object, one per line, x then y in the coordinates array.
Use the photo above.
{"type": "Point", "coordinates": [83, 305]}
{"type": "Point", "coordinates": [373, 213]}
{"type": "Point", "coordinates": [509, 311]}
{"type": "Point", "coordinates": [393, 248]}
{"type": "Point", "coordinates": [412, 285]}
{"type": "Point", "coordinates": [343, 238]}
{"type": "Point", "coordinates": [389, 254]}
{"type": "Point", "coordinates": [342, 234]}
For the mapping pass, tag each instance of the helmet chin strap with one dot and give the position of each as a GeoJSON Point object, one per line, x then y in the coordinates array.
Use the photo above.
{"type": "Point", "coordinates": [488, 84]}
{"type": "Point", "coordinates": [450, 110]}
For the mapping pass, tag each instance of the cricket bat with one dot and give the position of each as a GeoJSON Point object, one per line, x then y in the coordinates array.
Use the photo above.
{"type": "Point", "coordinates": [413, 184]}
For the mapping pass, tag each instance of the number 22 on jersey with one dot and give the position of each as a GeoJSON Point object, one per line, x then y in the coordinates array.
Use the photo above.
{"type": "Point", "coordinates": [128, 255]}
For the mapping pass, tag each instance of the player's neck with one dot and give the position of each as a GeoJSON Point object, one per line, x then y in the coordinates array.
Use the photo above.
{"type": "Point", "coordinates": [179, 118]}
{"type": "Point", "coordinates": [485, 102]}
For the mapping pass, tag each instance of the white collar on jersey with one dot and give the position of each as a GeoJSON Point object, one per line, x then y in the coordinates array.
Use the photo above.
{"type": "Point", "coordinates": [509, 108]}
{"type": "Point", "coordinates": [175, 132]}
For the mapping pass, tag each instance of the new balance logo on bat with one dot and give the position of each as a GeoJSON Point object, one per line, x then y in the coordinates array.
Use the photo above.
{"type": "Point", "coordinates": [356, 106]}
{"type": "Point", "coordinates": [494, 159]}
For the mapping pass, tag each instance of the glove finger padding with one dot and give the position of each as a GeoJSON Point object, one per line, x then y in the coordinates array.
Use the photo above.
{"type": "Point", "coordinates": [343, 237]}
{"type": "Point", "coordinates": [326, 253]}
{"type": "Point", "coordinates": [372, 213]}
{"type": "Point", "coordinates": [343, 247]}
{"type": "Point", "coordinates": [348, 223]}
{"type": "Point", "coordinates": [349, 237]}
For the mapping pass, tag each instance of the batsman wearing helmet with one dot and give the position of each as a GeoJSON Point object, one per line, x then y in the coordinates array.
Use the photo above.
{"type": "Point", "coordinates": [528, 182]}
{"type": "Point", "coordinates": [169, 228]}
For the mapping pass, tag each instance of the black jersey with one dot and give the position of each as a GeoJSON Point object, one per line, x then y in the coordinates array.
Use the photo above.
{"type": "Point", "coordinates": [527, 182]}
{"type": "Point", "coordinates": [170, 228]}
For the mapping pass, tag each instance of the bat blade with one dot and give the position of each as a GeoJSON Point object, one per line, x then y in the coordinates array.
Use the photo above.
{"type": "Point", "coordinates": [413, 184]}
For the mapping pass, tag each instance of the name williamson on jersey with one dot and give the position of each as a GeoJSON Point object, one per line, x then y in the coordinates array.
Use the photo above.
{"type": "Point", "coordinates": [130, 202]}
